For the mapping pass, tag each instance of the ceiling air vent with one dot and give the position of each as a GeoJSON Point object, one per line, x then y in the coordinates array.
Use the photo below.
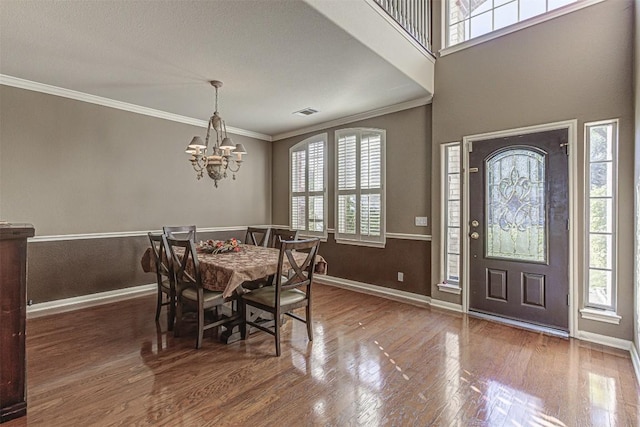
{"type": "Point", "coordinates": [305, 112]}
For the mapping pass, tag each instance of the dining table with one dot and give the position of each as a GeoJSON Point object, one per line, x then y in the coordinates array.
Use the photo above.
{"type": "Point", "coordinates": [226, 272]}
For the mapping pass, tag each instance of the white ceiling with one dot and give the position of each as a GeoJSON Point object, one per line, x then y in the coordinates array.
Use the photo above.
{"type": "Point", "coordinates": [274, 57]}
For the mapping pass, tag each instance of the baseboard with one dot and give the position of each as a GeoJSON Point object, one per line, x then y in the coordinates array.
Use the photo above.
{"type": "Point", "coordinates": [635, 359]}
{"type": "Point", "coordinates": [605, 340]}
{"type": "Point", "coordinates": [84, 301]}
{"type": "Point", "coordinates": [445, 305]}
{"type": "Point", "coordinates": [380, 291]}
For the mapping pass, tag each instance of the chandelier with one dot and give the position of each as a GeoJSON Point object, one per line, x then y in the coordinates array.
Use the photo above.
{"type": "Point", "coordinates": [222, 156]}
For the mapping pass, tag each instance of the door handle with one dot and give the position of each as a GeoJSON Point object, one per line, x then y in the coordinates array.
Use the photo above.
{"type": "Point", "coordinates": [474, 235]}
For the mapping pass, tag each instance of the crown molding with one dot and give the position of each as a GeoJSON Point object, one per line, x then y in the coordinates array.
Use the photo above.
{"type": "Point", "coordinates": [119, 105]}
{"type": "Point", "coordinates": [356, 117]}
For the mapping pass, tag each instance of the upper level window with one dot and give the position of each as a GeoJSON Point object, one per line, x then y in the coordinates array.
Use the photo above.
{"type": "Point", "coordinates": [360, 195]}
{"type": "Point", "coordinates": [308, 186]}
{"type": "Point", "coordinates": [467, 19]}
{"type": "Point", "coordinates": [601, 188]}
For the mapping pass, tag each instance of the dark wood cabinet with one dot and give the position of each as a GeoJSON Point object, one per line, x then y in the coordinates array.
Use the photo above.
{"type": "Point", "coordinates": [13, 310]}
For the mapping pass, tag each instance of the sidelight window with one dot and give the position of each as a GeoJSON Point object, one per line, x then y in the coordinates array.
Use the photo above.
{"type": "Point", "coordinates": [451, 203]}
{"type": "Point", "coordinates": [601, 207]}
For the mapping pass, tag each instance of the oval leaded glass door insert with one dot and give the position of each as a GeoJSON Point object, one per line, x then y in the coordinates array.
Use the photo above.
{"type": "Point", "coordinates": [515, 205]}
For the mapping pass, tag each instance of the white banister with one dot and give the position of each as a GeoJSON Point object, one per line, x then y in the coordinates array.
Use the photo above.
{"type": "Point", "coordinates": [412, 15]}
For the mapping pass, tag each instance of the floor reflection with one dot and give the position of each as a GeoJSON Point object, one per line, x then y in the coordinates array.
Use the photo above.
{"type": "Point", "coordinates": [374, 363]}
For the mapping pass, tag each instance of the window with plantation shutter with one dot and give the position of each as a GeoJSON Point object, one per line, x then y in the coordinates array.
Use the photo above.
{"type": "Point", "coordinates": [308, 188]}
{"type": "Point", "coordinates": [360, 157]}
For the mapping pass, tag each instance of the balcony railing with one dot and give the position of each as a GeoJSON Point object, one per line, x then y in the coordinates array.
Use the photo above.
{"type": "Point", "coordinates": [412, 15]}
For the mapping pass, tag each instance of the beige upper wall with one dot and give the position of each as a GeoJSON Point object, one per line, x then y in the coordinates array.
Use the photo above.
{"type": "Point", "coordinates": [72, 167]}
{"type": "Point", "coordinates": [577, 66]}
{"type": "Point", "coordinates": [408, 178]}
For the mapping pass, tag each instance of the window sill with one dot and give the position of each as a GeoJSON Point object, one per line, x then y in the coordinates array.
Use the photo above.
{"type": "Point", "coordinates": [517, 26]}
{"type": "Point", "coordinates": [449, 288]}
{"type": "Point", "coordinates": [312, 236]}
{"type": "Point", "coordinates": [360, 243]}
{"type": "Point", "coordinates": [604, 316]}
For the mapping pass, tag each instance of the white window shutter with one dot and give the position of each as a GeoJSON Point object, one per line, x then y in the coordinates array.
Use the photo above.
{"type": "Point", "coordinates": [360, 156]}
{"type": "Point", "coordinates": [308, 189]}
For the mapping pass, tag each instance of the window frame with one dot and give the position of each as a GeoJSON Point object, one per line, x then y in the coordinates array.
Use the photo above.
{"type": "Point", "coordinates": [357, 238]}
{"type": "Point", "coordinates": [588, 306]}
{"type": "Point", "coordinates": [445, 212]}
{"type": "Point", "coordinates": [446, 284]}
{"type": "Point", "coordinates": [304, 146]}
{"type": "Point", "coordinates": [446, 48]}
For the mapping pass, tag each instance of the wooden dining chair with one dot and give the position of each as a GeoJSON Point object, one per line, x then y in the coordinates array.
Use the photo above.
{"type": "Point", "coordinates": [278, 235]}
{"type": "Point", "coordinates": [173, 232]}
{"type": "Point", "coordinates": [257, 236]}
{"type": "Point", "coordinates": [165, 278]}
{"type": "Point", "coordinates": [189, 290]}
{"type": "Point", "coordinates": [286, 294]}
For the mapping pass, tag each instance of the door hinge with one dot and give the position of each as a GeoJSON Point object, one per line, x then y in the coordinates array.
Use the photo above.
{"type": "Point", "coordinates": [565, 145]}
{"type": "Point", "coordinates": [568, 299]}
{"type": "Point", "coordinates": [470, 146]}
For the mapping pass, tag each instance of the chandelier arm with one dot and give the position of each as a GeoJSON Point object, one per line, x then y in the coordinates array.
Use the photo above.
{"type": "Point", "coordinates": [199, 163]}
{"type": "Point", "coordinates": [235, 163]}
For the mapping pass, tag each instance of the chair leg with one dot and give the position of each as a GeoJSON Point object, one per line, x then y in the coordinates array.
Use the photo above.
{"type": "Point", "coordinates": [242, 308]}
{"type": "Point", "coordinates": [171, 312]}
{"type": "Point", "coordinates": [178, 325]}
{"type": "Point", "coordinates": [200, 326]}
{"type": "Point", "coordinates": [309, 323]}
{"type": "Point", "coordinates": [276, 325]}
{"type": "Point", "coordinates": [158, 304]}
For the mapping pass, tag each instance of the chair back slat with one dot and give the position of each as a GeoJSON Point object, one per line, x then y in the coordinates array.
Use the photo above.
{"type": "Point", "coordinates": [172, 232]}
{"type": "Point", "coordinates": [181, 259]}
{"type": "Point", "coordinates": [257, 236]}
{"type": "Point", "coordinates": [161, 255]}
{"type": "Point", "coordinates": [279, 235]}
{"type": "Point", "coordinates": [302, 271]}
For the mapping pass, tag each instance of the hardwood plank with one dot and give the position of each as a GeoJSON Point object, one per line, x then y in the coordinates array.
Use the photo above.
{"type": "Point", "coordinates": [372, 362]}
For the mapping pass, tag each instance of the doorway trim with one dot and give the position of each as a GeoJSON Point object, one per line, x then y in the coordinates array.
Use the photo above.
{"type": "Point", "coordinates": [572, 128]}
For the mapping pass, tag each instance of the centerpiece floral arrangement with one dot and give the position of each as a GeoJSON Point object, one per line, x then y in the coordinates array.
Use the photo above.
{"type": "Point", "coordinates": [219, 246]}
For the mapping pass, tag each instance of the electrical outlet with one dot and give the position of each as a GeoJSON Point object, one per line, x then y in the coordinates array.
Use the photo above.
{"type": "Point", "coordinates": [422, 221]}
{"type": "Point", "coordinates": [400, 276]}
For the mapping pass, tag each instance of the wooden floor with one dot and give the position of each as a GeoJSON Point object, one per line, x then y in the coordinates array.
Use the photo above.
{"type": "Point", "coordinates": [372, 362]}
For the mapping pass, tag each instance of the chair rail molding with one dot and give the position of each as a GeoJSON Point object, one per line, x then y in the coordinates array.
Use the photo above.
{"type": "Point", "coordinates": [109, 235]}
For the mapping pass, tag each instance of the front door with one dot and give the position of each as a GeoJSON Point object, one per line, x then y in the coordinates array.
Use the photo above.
{"type": "Point", "coordinates": [518, 228]}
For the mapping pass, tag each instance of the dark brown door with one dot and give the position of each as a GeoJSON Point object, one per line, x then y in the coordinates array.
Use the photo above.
{"type": "Point", "coordinates": [518, 228]}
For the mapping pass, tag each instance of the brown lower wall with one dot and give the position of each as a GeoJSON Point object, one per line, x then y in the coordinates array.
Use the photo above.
{"type": "Point", "coordinates": [70, 268]}
{"type": "Point", "coordinates": [380, 266]}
